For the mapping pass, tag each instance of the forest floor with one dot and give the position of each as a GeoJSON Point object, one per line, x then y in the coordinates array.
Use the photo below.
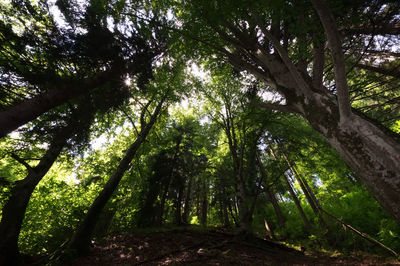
{"type": "Point", "coordinates": [209, 247]}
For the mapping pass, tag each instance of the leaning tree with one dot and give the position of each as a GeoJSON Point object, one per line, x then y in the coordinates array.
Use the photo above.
{"type": "Point", "coordinates": [286, 44]}
{"type": "Point", "coordinates": [92, 48]}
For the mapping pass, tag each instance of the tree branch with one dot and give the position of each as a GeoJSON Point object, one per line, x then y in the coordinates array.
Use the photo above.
{"type": "Point", "coordinates": [304, 88]}
{"type": "Point", "coordinates": [318, 66]}
{"type": "Point", "coordinates": [277, 107]}
{"type": "Point", "coordinates": [130, 120]}
{"type": "Point", "coordinates": [363, 235]}
{"type": "Point", "coordinates": [332, 33]}
{"type": "Point", "coordinates": [385, 29]}
{"type": "Point", "coordinates": [143, 122]}
{"type": "Point", "coordinates": [22, 161]}
{"type": "Point", "coordinates": [394, 72]}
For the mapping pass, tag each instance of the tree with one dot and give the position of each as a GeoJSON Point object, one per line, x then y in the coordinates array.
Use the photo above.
{"type": "Point", "coordinates": [54, 64]}
{"type": "Point", "coordinates": [271, 195]}
{"type": "Point", "coordinates": [80, 241]}
{"type": "Point", "coordinates": [14, 209]}
{"type": "Point", "coordinates": [174, 172]}
{"type": "Point", "coordinates": [283, 81]}
{"type": "Point", "coordinates": [242, 125]}
{"type": "Point", "coordinates": [258, 38]}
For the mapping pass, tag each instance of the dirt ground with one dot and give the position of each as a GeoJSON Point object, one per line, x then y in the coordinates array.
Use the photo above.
{"type": "Point", "coordinates": [211, 247]}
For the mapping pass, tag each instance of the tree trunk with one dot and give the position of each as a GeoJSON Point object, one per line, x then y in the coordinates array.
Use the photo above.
{"type": "Point", "coordinates": [371, 152]}
{"type": "Point", "coordinates": [271, 195]}
{"type": "Point", "coordinates": [18, 115]}
{"type": "Point", "coordinates": [307, 192]}
{"type": "Point", "coordinates": [233, 215]}
{"type": "Point", "coordinates": [159, 218]}
{"type": "Point", "coordinates": [245, 215]}
{"type": "Point", "coordinates": [277, 208]}
{"type": "Point", "coordinates": [148, 211]}
{"type": "Point", "coordinates": [178, 203]}
{"type": "Point", "coordinates": [303, 188]}
{"type": "Point", "coordinates": [269, 229]}
{"type": "Point", "coordinates": [102, 227]}
{"type": "Point", "coordinates": [237, 155]}
{"type": "Point", "coordinates": [308, 188]}
{"type": "Point", "coordinates": [292, 193]}
{"type": "Point", "coordinates": [298, 205]}
{"type": "Point", "coordinates": [224, 206]}
{"type": "Point", "coordinates": [186, 208]}
{"type": "Point", "coordinates": [168, 183]}
{"type": "Point", "coordinates": [204, 205]}
{"type": "Point", "coordinates": [80, 240]}
{"type": "Point", "coordinates": [224, 213]}
{"type": "Point", "coordinates": [15, 207]}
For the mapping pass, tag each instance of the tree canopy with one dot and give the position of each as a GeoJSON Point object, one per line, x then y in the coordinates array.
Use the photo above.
{"type": "Point", "coordinates": [281, 116]}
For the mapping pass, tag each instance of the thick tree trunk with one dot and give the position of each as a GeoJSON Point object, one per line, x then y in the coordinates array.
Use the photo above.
{"type": "Point", "coordinates": [15, 207]}
{"type": "Point", "coordinates": [372, 152]}
{"type": "Point", "coordinates": [245, 214]}
{"type": "Point", "coordinates": [80, 241]}
{"type": "Point", "coordinates": [12, 218]}
{"type": "Point", "coordinates": [373, 155]}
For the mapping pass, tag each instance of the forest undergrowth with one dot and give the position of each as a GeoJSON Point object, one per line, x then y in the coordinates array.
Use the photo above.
{"type": "Point", "coordinates": [212, 246]}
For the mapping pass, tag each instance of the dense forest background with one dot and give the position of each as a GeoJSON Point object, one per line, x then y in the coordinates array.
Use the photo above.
{"type": "Point", "coordinates": [277, 118]}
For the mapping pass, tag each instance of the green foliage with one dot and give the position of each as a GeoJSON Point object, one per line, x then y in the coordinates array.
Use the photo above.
{"type": "Point", "coordinates": [194, 159]}
{"type": "Point", "coordinates": [54, 210]}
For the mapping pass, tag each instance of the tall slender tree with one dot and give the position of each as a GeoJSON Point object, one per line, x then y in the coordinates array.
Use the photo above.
{"type": "Point", "coordinates": [80, 241]}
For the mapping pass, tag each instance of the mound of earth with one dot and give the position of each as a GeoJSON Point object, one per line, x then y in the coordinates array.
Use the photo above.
{"type": "Point", "coordinates": [191, 247]}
